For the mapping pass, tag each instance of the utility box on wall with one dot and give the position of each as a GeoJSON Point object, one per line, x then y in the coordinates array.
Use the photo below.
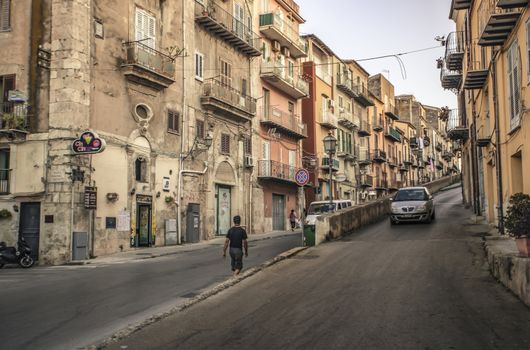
{"type": "Point", "coordinates": [171, 232]}
{"type": "Point", "coordinates": [193, 223]}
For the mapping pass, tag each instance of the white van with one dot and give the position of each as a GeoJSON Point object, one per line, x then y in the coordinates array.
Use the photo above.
{"type": "Point", "coordinates": [324, 207]}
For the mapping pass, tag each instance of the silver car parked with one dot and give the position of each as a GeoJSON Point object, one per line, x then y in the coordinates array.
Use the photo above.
{"type": "Point", "coordinates": [412, 204]}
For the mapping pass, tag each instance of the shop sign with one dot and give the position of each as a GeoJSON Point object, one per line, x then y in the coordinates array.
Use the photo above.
{"type": "Point", "coordinates": [140, 198]}
{"type": "Point", "coordinates": [91, 197]}
{"type": "Point", "coordinates": [88, 143]}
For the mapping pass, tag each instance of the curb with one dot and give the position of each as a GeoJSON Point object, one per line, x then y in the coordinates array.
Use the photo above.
{"type": "Point", "coordinates": [201, 297]}
{"type": "Point", "coordinates": [159, 255]}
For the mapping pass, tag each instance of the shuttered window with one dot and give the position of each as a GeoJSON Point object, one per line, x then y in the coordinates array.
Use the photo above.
{"type": "Point", "coordinates": [247, 146]}
{"type": "Point", "coordinates": [145, 28]}
{"type": "Point", "coordinates": [225, 144]}
{"type": "Point", "coordinates": [199, 129]}
{"type": "Point", "coordinates": [173, 119]}
{"type": "Point", "coordinates": [199, 66]}
{"type": "Point", "coordinates": [5, 9]}
{"type": "Point", "coordinates": [226, 73]}
{"type": "Point", "coordinates": [514, 82]}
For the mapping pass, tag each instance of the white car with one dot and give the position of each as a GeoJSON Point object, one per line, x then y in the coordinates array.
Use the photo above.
{"type": "Point", "coordinates": [412, 204]}
{"type": "Point", "coordinates": [324, 207]}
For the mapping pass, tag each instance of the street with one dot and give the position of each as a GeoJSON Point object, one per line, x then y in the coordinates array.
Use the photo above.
{"type": "Point", "coordinates": [403, 287]}
{"type": "Point", "coordinates": [67, 307]}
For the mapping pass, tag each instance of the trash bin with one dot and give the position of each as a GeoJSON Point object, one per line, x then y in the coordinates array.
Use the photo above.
{"type": "Point", "coordinates": [309, 235]}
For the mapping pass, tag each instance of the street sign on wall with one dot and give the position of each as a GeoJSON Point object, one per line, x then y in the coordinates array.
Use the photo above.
{"type": "Point", "coordinates": [91, 197]}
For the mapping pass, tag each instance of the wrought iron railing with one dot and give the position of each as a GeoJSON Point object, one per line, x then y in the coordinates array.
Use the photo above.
{"type": "Point", "coordinates": [283, 73]}
{"type": "Point", "coordinates": [379, 155]}
{"type": "Point", "coordinates": [13, 115]}
{"type": "Point", "coordinates": [277, 170]}
{"type": "Point", "coordinates": [328, 117]}
{"type": "Point", "coordinates": [227, 94]}
{"type": "Point", "coordinates": [149, 58]}
{"type": "Point", "coordinates": [290, 32]}
{"type": "Point", "coordinates": [455, 121]}
{"type": "Point", "coordinates": [285, 119]}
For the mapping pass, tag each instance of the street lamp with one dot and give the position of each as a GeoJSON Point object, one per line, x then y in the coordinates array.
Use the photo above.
{"type": "Point", "coordinates": [330, 146]}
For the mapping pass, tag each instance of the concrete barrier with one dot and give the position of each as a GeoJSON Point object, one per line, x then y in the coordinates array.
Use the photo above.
{"type": "Point", "coordinates": [332, 226]}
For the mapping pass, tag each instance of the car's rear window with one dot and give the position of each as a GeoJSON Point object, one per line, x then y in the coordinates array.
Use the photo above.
{"type": "Point", "coordinates": [411, 195]}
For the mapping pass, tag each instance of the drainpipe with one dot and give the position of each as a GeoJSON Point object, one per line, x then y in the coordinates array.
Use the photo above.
{"type": "Point", "coordinates": [498, 157]}
{"type": "Point", "coordinates": [474, 159]}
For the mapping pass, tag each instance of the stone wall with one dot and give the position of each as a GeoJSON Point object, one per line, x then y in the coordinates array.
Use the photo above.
{"type": "Point", "coordinates": [348, 221]}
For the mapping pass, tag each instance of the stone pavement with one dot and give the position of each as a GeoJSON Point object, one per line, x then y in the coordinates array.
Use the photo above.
{"type": "Point", "coordinates": [154, 252]}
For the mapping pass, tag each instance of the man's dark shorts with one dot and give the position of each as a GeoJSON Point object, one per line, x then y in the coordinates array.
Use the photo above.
{"type": "Point", "coordinates": [237, 258]}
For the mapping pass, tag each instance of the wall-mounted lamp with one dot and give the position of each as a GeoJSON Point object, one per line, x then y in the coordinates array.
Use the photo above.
{"type": "Point", "coordinates": [158, 194]}
{"type": "Point", "coordinates": [133, 191]}
{"type": "Point", "coordinates": [200, 145]}
{"type": "Point", "coordinates": [112, 197]}
{"type": "Point", "coordinates": [15, 208]}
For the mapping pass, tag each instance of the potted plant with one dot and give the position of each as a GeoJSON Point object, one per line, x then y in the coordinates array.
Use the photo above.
{"type": "Point", "coordinates": [169, 200]}
{"type": "Point", "coordinates": [5, 214]}
{"type": "Point", "coordinates": [517, 221]}
{"type": "Point", "coordinates": [12, 121]}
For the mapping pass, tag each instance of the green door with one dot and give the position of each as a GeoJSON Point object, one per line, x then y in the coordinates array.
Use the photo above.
{"type": "Point", "coordinates": [143, 229]}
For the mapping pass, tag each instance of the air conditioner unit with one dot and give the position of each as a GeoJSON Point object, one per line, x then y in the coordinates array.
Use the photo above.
{"type": "Point", "coordinates": [249, 162]}
{"type": "Point", "coordinates": [286, 52]}
{"type": "Point", "coordinates": [276, 46]}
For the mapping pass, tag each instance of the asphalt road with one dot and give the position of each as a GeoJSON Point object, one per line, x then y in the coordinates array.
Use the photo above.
{"type": "Point", "coordinates": [403, 287]}
{"type": "Point", "coordinates": [69, 307]}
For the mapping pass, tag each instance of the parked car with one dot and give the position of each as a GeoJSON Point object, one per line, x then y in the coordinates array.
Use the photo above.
{"type": "Point", "coordinates": [324, 207]}
{"type": "Point", "coordinates": [412, 204]}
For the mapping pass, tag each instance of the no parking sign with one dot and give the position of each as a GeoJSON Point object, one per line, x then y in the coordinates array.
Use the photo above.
{"type": "Point", "coordinates": [302, 177]}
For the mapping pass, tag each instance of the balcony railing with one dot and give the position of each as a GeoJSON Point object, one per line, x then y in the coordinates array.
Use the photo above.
{"type": "Point", "coordinates": [380, 183]}
{"type": "Point", "coordinates": [378, 124]}
{"type": "Point", "coordinates": [334, 166]}
{"type": "Point", "coordinates": [364, 128]}
{"type": "Point", "coordinates": [284, 122]}
{"type": "Point", "coordinates": [393, 134]}
{"type": "Point", "coordinates": [4, 181]}
{"type": "Point", "coordinates": [279, 77]}
{"type": "Point", "coordinates": [392, 161]}
{"type": "Point", "coordinates": [364, 157]}
{"type": "Point", "coordinates": [225, 26]}
{"type": "Point", "coordinates": [270, 169]}
{"type": "Point", "coordinates": [456, 126]}
{"type": "Point", "coordinates": [345, 84]}
{"type": "Point", "coordinates": [275, 28]}
{"type": "Point", "coordinates": [379, 156]}
{"type": "Point", "coordinates": [454, 50]}
{"type": "Point", "coordinates": [496, 20]}
{"type": "Point", "coordinates": [148, 66]}
{"type": "Point", "coordinates": [328, 119]}
{"type": "Point", "coordinates": [365, 180]}
{"type": "Point", "coordinates": [362, 95]}
{"type": "Point", "coordinates": [451, 79]}
{"type": "Point", "coordinates": [345, 119]}
{"type": "Point", "coordinates": [227, 100]}
{"type": "Point", "coordinates": [13, 116]}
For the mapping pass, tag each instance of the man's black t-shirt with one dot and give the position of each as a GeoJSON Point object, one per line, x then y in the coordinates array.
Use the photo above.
{"type": "Point", "coordinates": [236, 235]}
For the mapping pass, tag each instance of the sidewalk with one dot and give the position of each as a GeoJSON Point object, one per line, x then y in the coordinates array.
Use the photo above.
{"type": "Point", "coordinates": [154, 252]}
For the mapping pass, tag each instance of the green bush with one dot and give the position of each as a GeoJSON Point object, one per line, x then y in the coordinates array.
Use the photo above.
{"type": "Point", "coordinates": [517, 222]}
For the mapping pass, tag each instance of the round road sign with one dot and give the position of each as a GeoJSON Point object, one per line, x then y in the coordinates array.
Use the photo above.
{"type": "Point", "coordinates": [302, 177]}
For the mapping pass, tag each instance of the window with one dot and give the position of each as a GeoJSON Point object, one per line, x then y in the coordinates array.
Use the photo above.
{"type": "Point", "coordinates": [225, 72]}
{"type": "Point", "coordinates": [173, 122]}
{"type": "Point", "coordinates": [140, 169]}
{"type": "Point", "coordinates": [266, 103]}
{"type": "Point", "coordinates": [247, 146]}
{"type": "Point", "coordinates": [5, 9]}
{"type": "Point", "coordinates": [244, 87]}
{"type": "Point", "coordinates": [7, 83]}
{"type": "Point", "coordinates": [199, 129]}
{"type": "Point", "coordinates": [4, 171]}
{"type": "Point", "coordinates": [225, 144]}
{"type": "Point", "coordinates": [514, 84]}
{"type": "Point", "coordinates": [291, 69]}
{"type": "Point", "coordinates": [199, 66]}
{"type": "Point", "coordinates": [290, 108]}
{"type": "Point", "coordinates": [145, 28]}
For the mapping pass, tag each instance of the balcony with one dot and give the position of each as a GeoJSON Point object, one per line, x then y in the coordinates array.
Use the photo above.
{"type": "Point", "coordinates": [13, 117]}
{"type": "Point", "coordinates": [454, 50]}
{"type": "Point", "coordinates": [279, 77]}
{"type": "Point", "coordinates": [380, 183]}
{"type": "Point", "coordinates": [225, 26]}
{"type": "Point", "coordinates": [462, 4]}
{"type": "Point", "coordinates": [334, 167]}
{"type": "Point", "coordinates": [451, 79]}
{"type": "Point", "coordinates": [328, 119]}
{"type": "Point", "coordinates": [408, 161]}
{"type": "Point", "coordinates": [392, 134]}
{"type": "Point", "coordinates": [403, 168]}
{"type": "Point", "coordinates": [477, 74]}
{"type": "Point", "coordinates": [456, 126]}
{"type": "Point", "coordinates": [346, 120]}
{"type": "Point", "coordinates": [365, 181]}
{"type": "Point", "coordinates": [439, 147]}
{"type": "Point", "coordinates": [284, 122]}
{"type": "Point", "coordinates": [4, 181]}
{"type": "Point", "coordinates": [447, 155]}
{"type": "Point", "coordinates": [391, 112]}
{"type": "Point", "coordinates": [276, 171]}
{"type": "Point", "coordinates": [225, 100]}
{"type": "Point", "coordinates": [392, 162]}
{"type": "Point", "coordinates": [273, 27]}
{"type": "Point", "coordinates": [378, 124]}
{"type": "Point", "coordinates": [147, 66]}
{"type": "Point", "coordinates": [379, 156]}
{"type": "Point", "coordinates": [414, 143]}
{"type": "Point", "coordinates": [345, 84]}
{"type": "Point", "coordinates": [364, 128]}
{"type": "Point", "coordinates": [484, 134]}
{"type": "Point", "coordinates": [362, 95]}
{"type": "Point", "coordinates": [364, 157]}
{"type": "Point", "coordinates": [496, 19]}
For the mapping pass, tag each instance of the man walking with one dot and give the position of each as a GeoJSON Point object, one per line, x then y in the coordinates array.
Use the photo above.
{"type": "Point", "coordinates": [237, 239]}
{"type": "Point", "coordinates": [292, 219]}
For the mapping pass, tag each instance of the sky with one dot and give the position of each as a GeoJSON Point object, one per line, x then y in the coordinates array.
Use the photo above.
{"type": "Point", "coordinates": [364, 29]}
